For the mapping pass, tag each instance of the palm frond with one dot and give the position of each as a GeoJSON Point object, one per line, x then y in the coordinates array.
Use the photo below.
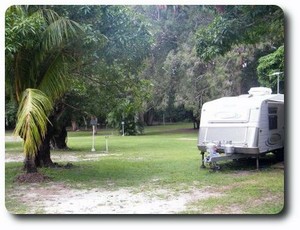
{"type": "Point", "coordinates": [32, 119]}
{"type": "Point", "coordinates": [59, 32]}
{"type": "Point", "coordinates": [54, 81]}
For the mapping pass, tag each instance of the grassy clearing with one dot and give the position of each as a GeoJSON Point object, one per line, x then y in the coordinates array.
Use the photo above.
{"type": "Point", "coordinates": [164, 157]}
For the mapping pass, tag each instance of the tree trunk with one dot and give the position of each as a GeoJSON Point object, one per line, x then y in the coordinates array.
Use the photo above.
{"type": "Point", "coordinates": [43, 158]}
{"type": "Point", "coordinates": [148, 117]}
{"type": "Point", "coordinates": [59, 139]}
{"type": "Point", "coordinates": [196, 121]}
{"type": "Point", "coordinates": [56, 136]}
{"type": "Point", "coordinates": [74, 125]}
{"type": "Point", "coordinates": [59, 129]}
{"type": "Point", "coordinates": [85, 123]}
{"type": "Point", "coordinates": [29, 165]}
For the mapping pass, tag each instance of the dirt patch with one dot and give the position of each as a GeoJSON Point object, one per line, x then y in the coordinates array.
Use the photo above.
{"type": "Point", "coordinates": [14, 157]}
{"type": "Point", "coordinates": [13, 138]}
{"type": "Point", "coordinates": [63, 157]}
{"type": "Point", "coordinates": [57, 198]}
{"type": "Point", "coordinates": [32, 178]}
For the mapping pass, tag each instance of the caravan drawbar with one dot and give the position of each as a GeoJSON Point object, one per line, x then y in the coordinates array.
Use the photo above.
{"type": "Point", "coordinates": [242, 126]}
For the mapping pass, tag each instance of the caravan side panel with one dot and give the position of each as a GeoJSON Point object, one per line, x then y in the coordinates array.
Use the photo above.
{"type": "Point", "coordinates": [263, 128]}
{"type": "Point", "coordinates": [271, 128]}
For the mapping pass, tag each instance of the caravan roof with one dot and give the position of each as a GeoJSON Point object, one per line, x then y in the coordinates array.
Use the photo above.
{"type": "Point", "coordinates": [247, 100]}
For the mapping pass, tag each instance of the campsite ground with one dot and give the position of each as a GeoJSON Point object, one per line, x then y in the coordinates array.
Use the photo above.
{"type": "Point", "coordinates": [154, 173]}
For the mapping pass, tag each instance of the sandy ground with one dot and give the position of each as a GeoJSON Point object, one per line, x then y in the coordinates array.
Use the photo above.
{"type": "Point", "coordinates": [54, 198]}
{"type": "Point", "coordinates": [62, 157]}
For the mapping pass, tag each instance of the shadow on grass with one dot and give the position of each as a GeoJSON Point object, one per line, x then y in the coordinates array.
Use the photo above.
{"type": "Point", "coordinates": [107, 174]}
{"type": "Point", "coordinates": [266, 162]}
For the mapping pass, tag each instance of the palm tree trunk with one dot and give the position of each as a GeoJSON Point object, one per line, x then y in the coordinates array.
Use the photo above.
{"type": "Point", "coordinates": [43, 158]}
{"type": "Point", "coordinates": [59, 130]}
{"type": "Point", "coordinates": [55, 137]}
{"type": "Point", "coordinates": [29, 165]}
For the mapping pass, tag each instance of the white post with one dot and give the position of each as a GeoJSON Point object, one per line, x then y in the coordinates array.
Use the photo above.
{"type": "Point", "coordinates": [93, 143]}
{"type": "Point", "coordinates": [106, 144]}
{"type": "Point", "coordinates": [277, 83]}
{"type": "Point", "coordinates": [123, 131]}
{"type": "Point", "coordinates": [277, 74]}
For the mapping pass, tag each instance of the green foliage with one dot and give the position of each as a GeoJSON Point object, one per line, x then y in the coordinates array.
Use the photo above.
{"type": "Point", "coordinates": [268, 65]}
{"type": "Point", "coordinates": [22, 29]}
{"type": "Point", "coordinates": [125, 112]}
{"type": "Point", "coordinates": [84, 56]}
{"type": "Point", "coordinates": [173, 59]}
{"type": "Point", "coordinates": [240, 25]}
{"type": "Point", "coordinates": [11, 109]}
{"type": "Point", "coordinates": [128, 107]}
{"type": "Point", "coordinates": [128, 37]}
{"type": "Point", "coordinates": [180, 77]}
{"type": "Point", "coordinates": [108, 70]}
{"type": "Point", "coordinates": [217, 38]}
{"type": "Point", "coordinates": [38, 57]}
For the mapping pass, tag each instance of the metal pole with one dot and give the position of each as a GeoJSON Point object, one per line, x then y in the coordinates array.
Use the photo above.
{"type": "Point", "coordinates": [202, 161]}
{"type": "Point", "coordinates": [277, 83]}
{"type": "Point", "coordinates": [106, 144]}
{"type": "Point", "coordinates": [93, 143]}
{"type": "Point", "coordinates": [277, 74]}
{"type": "Point", "coordinates": [123, 131]}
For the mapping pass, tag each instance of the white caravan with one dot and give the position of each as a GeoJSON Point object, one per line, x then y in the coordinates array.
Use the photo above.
{"type": "Point", "coordinates": [243, 126]}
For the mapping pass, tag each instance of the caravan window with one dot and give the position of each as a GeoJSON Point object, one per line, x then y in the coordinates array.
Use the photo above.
{"type": "Point", "coordinates": [272, 118]}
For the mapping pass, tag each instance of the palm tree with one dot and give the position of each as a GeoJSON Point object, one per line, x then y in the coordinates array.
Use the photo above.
{"type": "Point", "coordinates": [38, 56]}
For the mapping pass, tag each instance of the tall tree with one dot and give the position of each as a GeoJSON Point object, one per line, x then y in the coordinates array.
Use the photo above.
{"type": "Point", "coordinates": [173, 28]}
{"type": "Point", "coordinates": [38, 58]}
{"type": "Point", "coordinates": [246, 25]}
{"type": "Point", "coordinates": [111, 76]}
{"type": "Point", "coordinates": [240, 25]}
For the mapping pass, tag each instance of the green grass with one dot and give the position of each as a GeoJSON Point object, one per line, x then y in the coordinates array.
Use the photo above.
{"type": "Point", "coordinates": [164, 157]}
{"type": "Point", "coordinates": [258, 193]}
